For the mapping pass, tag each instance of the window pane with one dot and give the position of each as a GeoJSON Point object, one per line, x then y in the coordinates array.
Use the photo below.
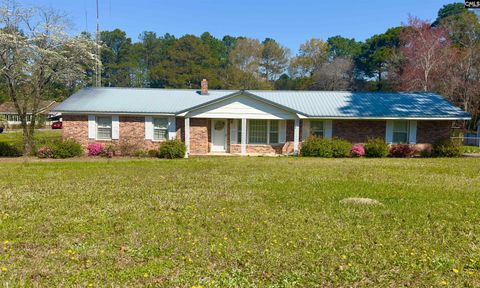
{"type": "Point", "coordinates": [104, 122]}
{"type": "Point", "coordinates": [160, 129]}
{"type": "Point", "coordinates": [273, 131]}
{"type": "Point", "coordinates": [316, 128]}
{"type": "Point", "coordinates": [400, 126]}
{"type": "Point", "coordinates": [400, 132]}
{"type": "Point", "coordinates": [104, 133]}
{"type": "Point", "coordinates": [160, 134]}
{"type": "Point", "coordinates": [399, 137]}
{"type": "Point", "coordinates": [160, 123]}
{"type": "Point", "coordinates": [257, 131]}
{"type": "Point", "coordinates": [239, 131]}
{"type": "Point", "coordinates": [104, 127]}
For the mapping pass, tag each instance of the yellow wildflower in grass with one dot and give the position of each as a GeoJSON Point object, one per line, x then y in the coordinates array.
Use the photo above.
{"type": "Point", "coordinates": [470, 272]}
{"type": "Point", "coordinates": [455, 270]}
{"type": "Point", "coordinates": [349, 264]}
{"type": "Point", "coordinates": [145, 275]}
{"type": "Point", "coordinates": [90, 285]}
{"type": "Point", "coordinates": [190, 260]}
{"type": "Point", "coordinates": [344, 256]}
{"type": "Point", "coordinates": [444, 282]}
{"type": "Point", "coordinates": [4, 269]}
{"type": "Point", "coordinates": [6, 242]}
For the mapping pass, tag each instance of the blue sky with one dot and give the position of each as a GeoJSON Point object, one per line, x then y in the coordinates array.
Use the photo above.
{"type": "Point", "coordinates": [289, 22]}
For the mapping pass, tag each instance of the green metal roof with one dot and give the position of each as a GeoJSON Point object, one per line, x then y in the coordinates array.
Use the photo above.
{"type": "Point", "coordinates": [333, 104]}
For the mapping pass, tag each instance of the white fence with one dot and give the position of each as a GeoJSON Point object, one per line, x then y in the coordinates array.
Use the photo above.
{"type": "Point", "coordinates": [469, 139]}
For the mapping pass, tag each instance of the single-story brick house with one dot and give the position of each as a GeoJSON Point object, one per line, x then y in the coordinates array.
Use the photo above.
{"type": "Point", "coordinates": [252, 122]}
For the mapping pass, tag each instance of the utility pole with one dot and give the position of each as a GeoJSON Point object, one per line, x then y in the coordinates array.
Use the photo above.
{"type": "Point", "coordinates": [98, 82]}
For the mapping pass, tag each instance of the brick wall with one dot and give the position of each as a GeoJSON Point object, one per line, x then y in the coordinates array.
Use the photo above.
{"type": "Point", "coordinates": [199, 136]}
{"type": "Point", "coordinates": [432, 131]}
{"type": "Point", "coordinates": [132, 133]}
{"type": "Point", "coordinates": [258, 149]}
{"type": "Point", "coordinates": [358, 131]}
{"type": "Point", "coordinates": [75, 127]}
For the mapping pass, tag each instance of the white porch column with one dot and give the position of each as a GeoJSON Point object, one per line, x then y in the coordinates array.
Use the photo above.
{"type": "Point", "coordinates": [296, 136]}
{"type": "Point", "coordinates": [187, 136]}
{"type": "Point", "coordinates": [244, 137]}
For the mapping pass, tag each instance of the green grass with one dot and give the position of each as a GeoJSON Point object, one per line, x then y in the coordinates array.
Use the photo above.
{"type": "Point", "coordinates": [471, 149]}
{"type": "Point", "coordinates": [41, 136]}
{"type": "Point", "coordinates": [240, 222]}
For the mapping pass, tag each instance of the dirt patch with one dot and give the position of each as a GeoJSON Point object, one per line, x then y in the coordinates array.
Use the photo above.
{"type": "Point", "coordinates": [360, 201]}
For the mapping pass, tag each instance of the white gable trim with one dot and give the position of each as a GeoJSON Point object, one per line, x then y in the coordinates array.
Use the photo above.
{"type": "Point", "coordinates": [242, 106]}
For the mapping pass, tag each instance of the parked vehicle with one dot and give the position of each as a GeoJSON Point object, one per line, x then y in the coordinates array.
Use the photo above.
{"type": "Point", "coordinates": [57, 125]}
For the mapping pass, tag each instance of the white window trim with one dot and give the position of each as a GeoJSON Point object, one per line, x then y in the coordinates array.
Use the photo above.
{"type": "Point", "coordinates": [411, 131]}
{"type": "Point", "coordinates": [167, 129]}
{"type": "Point", "coordinates": [111, 128]}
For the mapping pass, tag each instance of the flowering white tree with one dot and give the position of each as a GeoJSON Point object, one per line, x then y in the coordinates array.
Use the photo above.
{"type": "Point", "coordinates": [36, 51]}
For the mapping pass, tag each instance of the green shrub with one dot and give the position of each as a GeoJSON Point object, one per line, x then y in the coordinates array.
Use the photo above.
{"type": "Point", "coordinates": [340, 148]}
{"type": "Point", "coordinates": [426, 153]}
{"type": "Point", "coordinates": [9, 150]}
{"type": "Point", "coordinates": [172, 149]}
{"type": "Point", "coordinates": [61, 149]}
{"type": "Point", "coordinates": [140, 153]}
{"type": "Point", "coordinates": [152, 153]}
{"type": "Point", "coordinates": [375, 147]}
{"type": "Point", "coordinates": [447, 148]}
{"type": "Point", "coordinates": [322, 147]}
{"type": "Point", "coordinates": [316, 147]}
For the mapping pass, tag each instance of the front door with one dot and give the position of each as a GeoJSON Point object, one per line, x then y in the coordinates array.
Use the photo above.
{"type": "Point", "coordinates": [219, 135]}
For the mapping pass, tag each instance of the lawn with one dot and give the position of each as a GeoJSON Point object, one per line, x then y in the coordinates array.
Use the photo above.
{"type": "Point", "coordinates": [41, 136]}
{"type": "Point", "coordinates": [240, 222]}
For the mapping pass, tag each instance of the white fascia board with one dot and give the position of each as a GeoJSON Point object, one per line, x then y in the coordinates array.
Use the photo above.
{"type": "Point", "coordinates": [389, 118]}
{"type": "Point", "coordinates": [112, 113]}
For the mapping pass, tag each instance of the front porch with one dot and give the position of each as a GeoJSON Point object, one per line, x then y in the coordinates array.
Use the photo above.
{"type": "Point", "coordinates": [219, 136]}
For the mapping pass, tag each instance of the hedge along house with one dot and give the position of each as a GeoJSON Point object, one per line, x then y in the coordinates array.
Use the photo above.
{"type": "Point", "coordinates": [252, 122]}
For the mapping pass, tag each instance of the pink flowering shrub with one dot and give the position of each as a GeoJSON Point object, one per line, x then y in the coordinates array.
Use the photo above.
{"type": "Point", "coordinates": [95, 149]}
{"type": "Point", "coordinates": [401, 151]}
{"type": "Point", "coordinates": [357, 151]}
{"type": "Point", "coordinates": [44, 152]}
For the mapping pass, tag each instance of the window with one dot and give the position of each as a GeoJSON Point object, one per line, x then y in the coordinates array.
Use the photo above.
{"type": "Point", "coordinates": [400, 131]}
{"type": "Point", "coordinates": [273, 132]}
{"type": "Point", "coordinates": [160, 129]}
{"type": "Point", "coordinates": [316, 128]}
{"type": "Point", "coordinates": [104, 128]}
{"type": "Point", "coordinates": [263, 132]}
{"type": "Point", "coordinates": [257, 131]}
{"type": "Point", "coordinates": [239, 131]}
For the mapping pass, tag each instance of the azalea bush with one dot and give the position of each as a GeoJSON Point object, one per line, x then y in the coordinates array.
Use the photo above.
{"type": "Point", "coordinates": [401, 151]}
{"type": "Point", "coordinates": [323, 147]}
{"type": "Point", "coordinates": [44, 152]}
{"type": "Point", "coordinates": [357, 151]}
{"type": "Point", "coordinates": [172, 149]}
{"type": "Point", "coordinates": [375, 148]}
{"type": "Point", "coordinates": [60, 149]}
{"type": "Point", "coordinates": [95, 149]}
